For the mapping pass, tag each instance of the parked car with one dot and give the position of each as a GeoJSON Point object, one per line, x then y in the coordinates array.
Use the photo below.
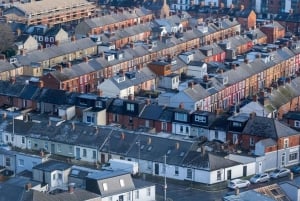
{"type": "Point", "coordinates": [238, 183]}
{"type": "Point", "coordinates": [259, 178]}
{"type": "Point", "coordinates": [296, 169]}
{"type": "Point", "coordinates": [281, 172]}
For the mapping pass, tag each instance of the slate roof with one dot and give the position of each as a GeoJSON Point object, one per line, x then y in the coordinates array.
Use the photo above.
{"type": "Point", "coordinates": [110, 19]}
{"type": "Point", "coordinates": [207, 161]}
{"type": "Point", "coordinates": [53, 31]}
{"type": "Point", "coordinates": [9, 89]}
{"type": "Point", "coordinates": [285, 93]}
{"type": "Point", "coordinates": [294, 115]}
{"type": "Point", "coordinates": [152, 111]}
{"type": "Point", "coordinates": [118, 106]}
{"type": "Point", "coordinates": [45, 54]}
{"type": "Point", "coordinates": [13, 189]}
{"type": "Point", "coordinates": [119, 142]}
{"type": "Point", "coordinates": [78, 195]}
{"type": "Point", "coordinates": [196, 93]}
{"type": "Point", "coordinates": [268, 128]}
{"type": "Point", "coordinates": [48, 95]}
{"type": "Point", "coordinates": [52, 165]}
{"type": "Point", "coordinates": [220, 123]}
{"type": "Point", "coordinates": [154, 148]}
{"type": "Point", "coordinates": [29, 92]}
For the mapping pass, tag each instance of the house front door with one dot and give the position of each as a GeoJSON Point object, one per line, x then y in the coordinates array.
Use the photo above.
{"type": "Point", "coordinates": [156, 169]}
{"type": "Point", "coordinates": [52, 148]}
{"type": "Point", "coordinates": [77, 153]}
{"type": "Point", "coordinates": [228, 174]}
{"type": "Point", "coordinates": [244, 171]}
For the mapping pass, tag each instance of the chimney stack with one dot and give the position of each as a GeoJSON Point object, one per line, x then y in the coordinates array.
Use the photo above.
{"type": "Point", "coordinates": [73, 125]}
{"type": "Point", "coordinates": [181, 106]}
{"type": "Point", "coordinates": [73, 38]}
{"type": "Point", "coordinates": [191, 84]}
{"type": "Point", "coordinates": [71, 188]}
{"type": "Point", "coordinates": [86, 59]}
{"type": "Point", "coordinates": [130, 97]}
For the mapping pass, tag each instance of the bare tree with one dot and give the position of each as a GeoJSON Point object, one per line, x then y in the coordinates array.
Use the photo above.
{"type": "Point", "coordinates": [6, 37]}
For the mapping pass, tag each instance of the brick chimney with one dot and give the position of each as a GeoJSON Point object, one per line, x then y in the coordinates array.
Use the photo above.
{"type": "Point", "coordinates": [181, 106]}
{"type": "Point", "coordinates": [205, 78]}
{"type": "Point", "coordinates": [86, 59]}
{"type": "Point", "coordinates": [191, 84]}
{"type": "Point", "coordinates": [73, 38]}
{"type": "Point", "coordinates": [130, 97]}
{"type": "Point", "coordinates": [69, 64]}
{"type": "Point", "coordinates": [71, 187]}
{"type": "Point", "coordinates": [41, 84]}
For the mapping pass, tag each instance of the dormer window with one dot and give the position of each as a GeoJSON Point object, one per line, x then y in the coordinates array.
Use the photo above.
{"type": "Point", "coordinates": [130, 107]}
{"type": "Point", "coordinates": [99, 104]}
{"type": "Point", "coordinates": [236, 124]}
{"type": "Point", "coordinates": [201, 119]}
{"type": "Point", "coordinates": [180, 116]}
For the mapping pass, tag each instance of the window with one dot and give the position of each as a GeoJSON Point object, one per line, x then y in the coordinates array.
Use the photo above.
{"type": "Point", "coordinates": [12, 138]}
{"type": "Point", "coordinates": [53, 176]}
{"type": "Point", "coordinates": [176, 170]}
{"type": "Point", "coordinates": [23, 140]}
{"type": "Point", "coordinates": [180, 116]}
{"type": "Point", "coordinates": [251, 141]}
{"type": "Point", "coordinates": [58, 148]}
{"type": "Point", "coordinates": [216, 135]}
{"type": "Point", "coordinates": [51, 39]}
{"type": "Point", "coordinates": [115, 117]}
{"type": "Point", "coordinates": [130, 107]}
{"type": "Point", "coordinates": [130, 119]}
{"type": "Point", "coordinates": [187, 129]}
{"type": "Point", "coordinates": [6, 138]}
{"type": "Point", "coordinates": [293, 156]}
{"type": "Point", "coordinates": [283, 159]}
{"type": "Point", "coordinates": [286, 143]}
{"type": "Point", "coordinates": [99, 104]}
{"type": "Point", "coordinates": [21, 162]}
{"type": "Point", "coordinates": [104, 186]}
{"type": "Point", "coordinates": [89, 119]}
{"type": "Point", "coordinates": [219, 175]}
{"type": "Point", "coordinates": [148, 191]}
{"type": "Point", "coordinates": [122, 184]}
{"type": "Point", "coordinates": [59, 176]}
{"type": "Point", "coordinates": [236, 124]}
{"type": "Point", "coordinates": [94, 154]}
{"type": "Point", "coordinates": [70, 150]}
{"type": "Point", "coordinates": [181, 129]}
{"type": "Point", "coordinates": [189, 173]}
{"type": "Point", "coordinates": [164, 126]}
{"type": "Point", "coordinates": [84, 153]}
{"type": "Point", "coordinates": [129, 196]}
{"type": "Point", "coordinates": [7, 161]}
{"type": "Point", "coordinates": [147, 123]}
{"type": "Point", "coordinates": [201, 119]}
{"type": "Point", "coordinates": [137, 194]}
{"type": "Point", "coordinates": [46, 145]}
